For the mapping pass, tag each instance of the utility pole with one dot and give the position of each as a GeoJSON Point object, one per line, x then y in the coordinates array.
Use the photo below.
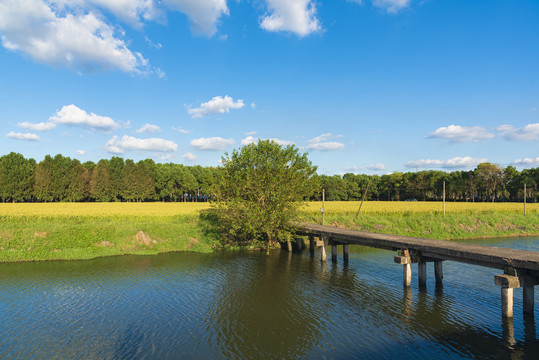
{"type": "Point", "coordinates": [444, 197]}
{"type": "Point", "coordinates": [323, 206]}
{"type": "Point", "coordinates": [524, 198]}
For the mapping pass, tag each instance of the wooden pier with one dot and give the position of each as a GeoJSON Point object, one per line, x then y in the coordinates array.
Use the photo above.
{"type": "Point", "coordinates": [521, 268]}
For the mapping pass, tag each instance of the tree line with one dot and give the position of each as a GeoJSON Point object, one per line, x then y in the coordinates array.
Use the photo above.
{"type": "Point", "coordinates": [61, 178]}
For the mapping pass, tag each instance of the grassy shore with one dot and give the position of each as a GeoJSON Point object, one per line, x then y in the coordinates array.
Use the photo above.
{"type": "Point", "coordinates": [61, 231]}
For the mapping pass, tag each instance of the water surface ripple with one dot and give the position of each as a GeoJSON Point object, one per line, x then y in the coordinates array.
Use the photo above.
{"type": "Point", "coordinates": [252, 306]}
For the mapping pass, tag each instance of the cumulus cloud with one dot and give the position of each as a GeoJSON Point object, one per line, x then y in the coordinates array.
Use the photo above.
{"type": "Point", "coordinates": [42, 126]}
{"type": "Point", "coordinates": [203, 15]}
{"type": "Point", "coordinates": [376, 167]}
{"type": "Point", "coordinates": [51, 34]}
{"type": "Point", "coordinates": [72, 115]}
{"type": "Point", "coordinates": [392, 6]}
{"type": "Point", "coordinates": [181, 131]}
{"type": "Point", "coordinates": [294, 16]}
{"type": "Point", "coordinates": [527, 162]}
{"type": "Point", "coordinates": [212, 144]}
{"type": "Point", "coordinates": [148, 128]}
{"type": "Point", "coordinates": [321, 143]}
{"type": "Point", "coordinates": [81, 152]}
{"type": "Point", "coordinates": [189, 156]}
{"type": "Point", "coordinates": [527, 133]}
{"type": "Point", "coordinates": [454, 163]}
{"type": "Point", "coordinates": [22, 136]}
{"type": "Point", "coordinates": [217, 105]}
{"type": "Point", "coordinates": [460, 134]}
{"type": "Point", "coordinates": [129, 143]}
{"type": "Point", "coordinates": [252, 140]}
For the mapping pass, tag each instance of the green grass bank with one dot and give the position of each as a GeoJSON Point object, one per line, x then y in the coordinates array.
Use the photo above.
{"type": "Point", "coordinates": [35, 238]}
{"type": "Point", "coordinates": [63, 237]}
{"type": "Point", "coordinates": [435, 226]}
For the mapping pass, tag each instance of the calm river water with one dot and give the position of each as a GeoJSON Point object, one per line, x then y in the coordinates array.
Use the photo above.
{"type": "Point", "coordinates": [253, 306]}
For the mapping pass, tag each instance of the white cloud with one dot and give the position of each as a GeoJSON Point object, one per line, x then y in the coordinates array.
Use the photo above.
{"type": "Point", "coordinates": [376, 167]}
{"type": "Point", "coordinates": [253, 105]}
{"type": "Point", "coordinates": [527, 162]}
{"type": "Point", "coordinates": [459, 134]}
{"type": "Point", "coordinates": [320, 143]}
{"type": "Point", "coordinates": [79, 40]}
{"type": "Point", "coordinates": [148, 128]}
{"type": "Point", "coordinates": [213, 143]}
{"type": "Point", "coordinates": [354, 169]}
{"type": "Point", "coordinates": [203, 14]}
{"type": "Point", "coordinates": [181, 131]}
{"type": "Point", "coordinates": [22, 136]}
{"type": "Point", "coordinates": [189, 156]}
{"type": "Point", "coordinates": [217, 105]}
{"type": "Point", "coordinates": [533, 108]}
{"type": "Point", "coordinates": [127, 143]}
{"type": "Point", "coordinates": [454, 163]}
{"type": "Point", "coordinates": [72, 115]}
{"type": "Point", "coordinates": [81, 152]}
{"type": "Point", "coordinates": [252, 140]}
{"type": "Point", "coordinates": [42, 126]}
{"type": "Point", "coordinates": [295, 16]}
{"type": "Point", "coordinates": [526, 133]}
{"type": "Point", "coordinates": [250, 133]}
{"type": "Point", "coordinates": [392, 6]}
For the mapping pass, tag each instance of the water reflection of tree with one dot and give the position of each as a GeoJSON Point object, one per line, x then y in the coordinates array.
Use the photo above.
{"type": "Point", "coordinates": [272, 314]}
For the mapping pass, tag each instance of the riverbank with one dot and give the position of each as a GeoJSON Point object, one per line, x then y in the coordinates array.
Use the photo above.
{"type": "Point", "coordinates": [72, 231]}
{"type": "Point", "coordinates": [453, 226]}
{"type": "Point", "coordinates": [35, 238]}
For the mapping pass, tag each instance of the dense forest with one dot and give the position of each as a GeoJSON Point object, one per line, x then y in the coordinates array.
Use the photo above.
{"type": "Point", "coordinates": [61, 178]}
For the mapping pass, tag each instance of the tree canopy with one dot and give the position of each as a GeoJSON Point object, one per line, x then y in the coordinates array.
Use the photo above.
{"type": "Point", "coordinates": [262, 187]}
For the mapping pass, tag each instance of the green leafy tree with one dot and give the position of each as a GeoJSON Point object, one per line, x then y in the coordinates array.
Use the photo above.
{"type": "Point", "coordinates": [262, 188]}
{"type": "Point", "coordinates": [100, 185]}
{"type": "Point", "coordinates": [16, 177]}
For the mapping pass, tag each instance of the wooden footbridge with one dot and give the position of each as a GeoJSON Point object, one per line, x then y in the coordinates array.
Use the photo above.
{"type": "Point", "coordinates": [521, 268]}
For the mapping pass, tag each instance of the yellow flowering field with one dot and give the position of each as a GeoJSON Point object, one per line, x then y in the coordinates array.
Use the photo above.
{"type": "Point", "coordinates": [172, 209]}
{"type": "Point", "coordinates": [391, 207]}
{"type": "Point", "coordinates": [101, 209]}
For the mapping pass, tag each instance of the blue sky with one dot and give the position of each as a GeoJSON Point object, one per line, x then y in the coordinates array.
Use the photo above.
{"type": "Point", "coordinates": [364, 86]}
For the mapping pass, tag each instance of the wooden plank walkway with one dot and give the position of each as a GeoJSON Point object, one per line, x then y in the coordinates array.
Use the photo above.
{"type": "Point", "coordinates": [521, 268]}
{"type": "Point", "coordinates": [489, 256]}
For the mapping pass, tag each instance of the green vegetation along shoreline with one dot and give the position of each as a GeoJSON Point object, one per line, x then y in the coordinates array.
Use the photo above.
{"type": "Point", "coordinates": [38, 238]}
{"type": "Point", "coordinates": [453, 226]}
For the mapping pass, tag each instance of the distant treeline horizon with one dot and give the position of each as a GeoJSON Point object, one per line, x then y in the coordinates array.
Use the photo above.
{"type": "Point", "coordinates": [62, 179]}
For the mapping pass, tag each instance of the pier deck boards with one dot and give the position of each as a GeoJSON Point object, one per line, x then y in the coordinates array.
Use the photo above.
{"type": "Point", "coordinates": [489, 256]}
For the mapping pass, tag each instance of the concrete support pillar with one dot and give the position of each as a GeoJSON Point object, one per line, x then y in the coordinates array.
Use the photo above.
{"type": "Point", "coordinates": [422, 273]}
{"type": "Point", "coordinates": [311, 244]}
{"type": "Point", "coordinates": [507, 302]}
{"type": "Point", "coordinates": [438, 272]}
{"type": "Point", "coordinates": [528, 296]}
{"type": "Point", "coordinates": [300, 244]}
{"type": "Point", "coordinates": [334, 252]}
{"type": "Point", "coordinates": [406, 262]}
{"type": "Point", "coordinates": [345, 253]}
{"type": "Point", "coordinates": [407, 275]}
{"type": "Point", "coordinates": [325, 240]}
